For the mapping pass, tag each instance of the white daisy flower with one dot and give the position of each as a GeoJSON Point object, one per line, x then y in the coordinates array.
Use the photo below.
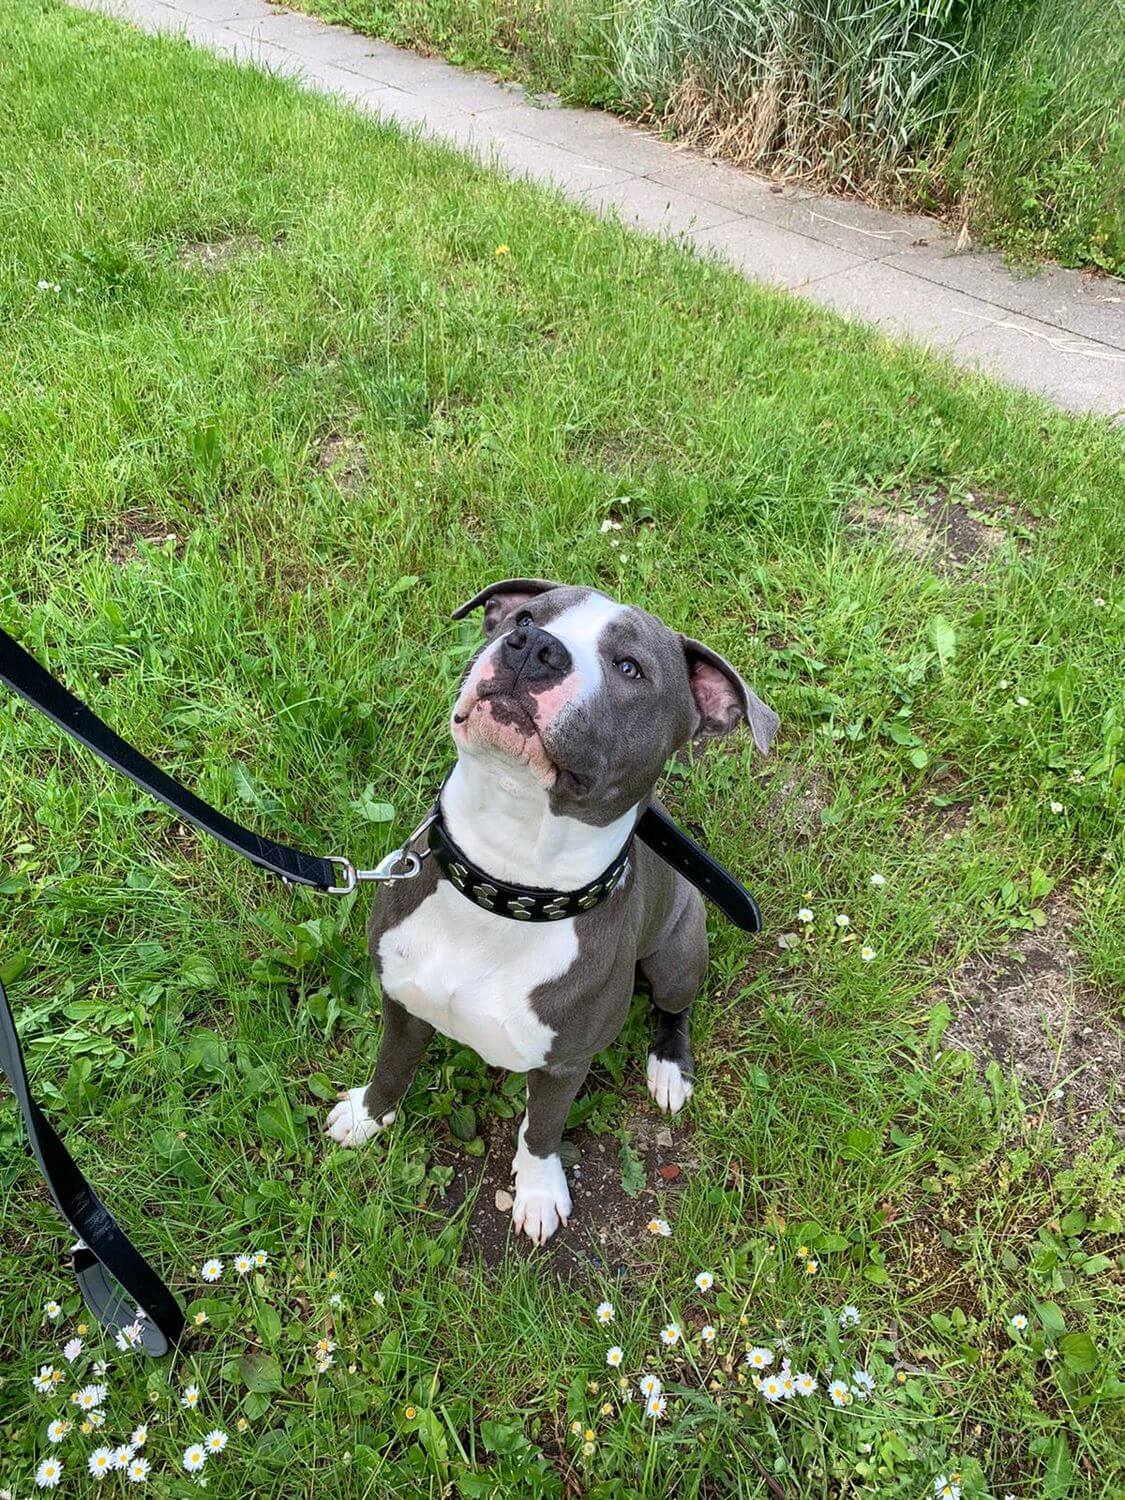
{"type": "Point", "coordinates": [128, 1337]}
{"type": "Point", "coordinates": [45, 1380]}
{"type": "Point", "coordinates": [260, 1258]}
{"type": "Point", "coordinates": [95, 1419]}
{"type": "Point", "coordinates": [216, 1440]}
{"type": "Point", "coordinates": [194, 1458]}
{"type": "Point", "coordinates": [759, 1359]}
{"type": "Point", "coordinates": [659, 1226]}
{"type": "Point", "coordinates": [614, 1356]}
{"type": "Point", "coordinates": [788, 1383]}
{"type": "Point", "coordinates": [138, 1470]}
{"type": "Point", "coordinates": [48, 286]}
{"type": "Point", "coordinates": [1023, 702]}
{"type": "Point", "coordinates": [1019, 1322]}
{"type": "Point", "coordinates": [842, 919]}
{"type": "Point", "coordinates": [867, 953]}
{"type": "Point", "coordinates": [649, 1385]}
{"type": "Point", "coordinates": [805, 915]}
{"type": "Point", "coordinates": [771, 1388]}
{"type": "Point", "coordinates": [1099, 602]}
{"type": "Point", "coordinates": [862, 1384]}
{"type": "Point", "coordinates": [88, 1397]}
{"type": "Point", "coordinates": [609, 524]}
{"type": "Point", "coordinates": [48, 1474]}
{"type": "Point", "coordinates": [100, 1462]}
{"type": "Point", "coordinates": [1056, 807]}
{"type": "Point", "coordinates": [100, 1367]}
{"type": "Point", "coordinates": [190, 1397]}
{"type": "Point", "coordinates": [212, 1270]}
{"type": "Point", "coordinates": [1004, 684]}
{"type": "Point", "coordinates": [604, 1312]}
{"type": "Point", "coordinates": [58, 1430]}
{"type": "Point", "coordinates": [946, 1489]}
{"type": "Point", "coordinates": [379, 1298]}
{"type": "Point", "coordinates": [199, 1317]}
{"type": "Point", "coordinates": [670, 1334]}
{"type": "Point", "coordinates": [707, 1334]}
{"type": "Point", "coordinates": [122, 1457]}
{"type": "Point", "coordinates": [849, 1317]}
{"type": "Point", "coordinates": [335, 1300]}
{"type": "Point", "coordinates": [877, 879]}
{"type": "Point", "coordinates": [841, 1395]}
{"type": "Point", "coordinates": [243, 1264]}
{"type": "Point", "coordinates": [656, 1406]}
{"type": "Point", "coordinates": [139, 1436]}
{"type": "Point", "coordinates": [71, 1350]}
{"type": "Point", "coordinates": [806, 1385]}
{"type": "Point", "coordinates": [325, 1346]}
{"type": "Point", "coordinates": [54, 1312]}
{"type": "Point", "coordinates": [324, 1363]}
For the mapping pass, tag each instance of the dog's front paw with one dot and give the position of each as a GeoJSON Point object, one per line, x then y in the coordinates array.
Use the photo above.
{"type": "Point", "coordinates": [349, 1123]}
{"type": "Point", "coordinates": [668, 1084]}
{"type": "Point", "coordinates": [542, 1196]}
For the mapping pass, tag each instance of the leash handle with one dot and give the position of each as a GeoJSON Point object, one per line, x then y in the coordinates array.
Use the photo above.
{"type": "Point", "coordinates": [24, 675]}
{"type": "Point", "coordinates": [112, 1275]}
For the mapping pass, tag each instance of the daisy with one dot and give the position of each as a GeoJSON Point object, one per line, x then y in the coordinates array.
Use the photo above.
{"type": "Point", "coordinates": [88, 1397]}
{"type": "Point", "coordinates": [54, 1312]}
{"type": "Point", "coordinates": [788, 1383]}
{"type": "Point", "coordinates": [138, 1470]}
{"type": "Point", "coordinates": [1056, 807]}
{"type": "Point", "coordinates": [45, 1380]}
{"type": "Point", "coordinates": [244, 1264]}
{"type": "Point", "coordinates": [946, 1489]}
{"type": "Point", "coordinates": [1023, 702]}
{"type": "Point", "coordinates": [670, 1334]}
{"type": "Point", "coordinates": [377, 1297]}
{"type": "Point", "coordinates": [659, 1226]}
{"type": "Point", "coordinates": [862, 1384]}
{"type": "Point", "coordinates": [190, 1397]}
{"type": "Point", "coordinates": [324, 1363]}
{"type": "Point", "coordinates": [194, 1458]}
{"type": "Point", "coordinates": [100, 1367]}
{"type": "Point", "coordinates": [806, 1385]}
{"type": "Point", "coordinates": [614, 1356]}
{"type": "Point", "coordinates": [100, 1462]}
{"type": "Point", "coordinates": [260, 1257]}
{"type": "Point", "coordinates": [849, 1317]}
{"type": "Point", "coordinates": [604, 1312]}
{"type": "Point", "coordinates": [841, 1395]}
{"type": "Point", "coordinates": [48, 1474]}
{"type": "Point", "coordinates": [139, 1436]}
{"type": "Point", "coordinates": [128, 1338]}
{"type": "Point", "coordinates": [71, 1350]}
{"type": "Point", "coordinates": [759, 1359]}
{"type": "Point", "coordinates": [94, 1419]}
{"type": "Point", "coordinates": [199, 1318]}
{"type": "Point", "coordinates": [212, 1270]}
{"type": "Point", "coordinates": [707, 1334]}
{"type": "Point", "coordinates": [656, 1406]}
{"type": "Point", "coordinates": [771, 1388]}
{"type": "Point", "coordinates": [842, 919]}
{"type": "Point", "coordinates": [58, 1430]}
{"type": "Point", "coordinates": [811, 1267]}
{"type": "Point", "coordinates": [805, 915]}
{"type": "Point", "coordinates": [877, 879]}
{"type": "Point", "coordinates": [649, 1385]}
{"type": "Point", "coordinates": [121, 1457]}
{"type": "Point", "coordinates": [216, 1440]}
{"type": "Point", "coordinates": [1019, 1322]}
{"type": "Point", "coordinates": [867, 953]}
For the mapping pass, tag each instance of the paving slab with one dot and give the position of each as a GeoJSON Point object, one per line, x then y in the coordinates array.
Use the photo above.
{"type": "Point", "coordinates": [1060, 333]}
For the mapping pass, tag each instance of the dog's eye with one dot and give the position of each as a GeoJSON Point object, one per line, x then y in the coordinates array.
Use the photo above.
{"type": "Point", "coordinates": [628, 667]}
{"type": "Point", "coordinates": [523, 618]}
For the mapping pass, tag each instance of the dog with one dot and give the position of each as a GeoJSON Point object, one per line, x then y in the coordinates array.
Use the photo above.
{"type": "Point", "coordinates": [565, 718]}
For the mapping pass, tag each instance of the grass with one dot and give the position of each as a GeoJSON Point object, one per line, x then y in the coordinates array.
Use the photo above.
{"type": "Point", "coordinates": [1002, 116]}
{"type": "Point", "coordinates": [285, 409]}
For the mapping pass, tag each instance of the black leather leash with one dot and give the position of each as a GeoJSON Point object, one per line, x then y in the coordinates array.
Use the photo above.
{"type": "Point", "coordinates": [113, 1277]}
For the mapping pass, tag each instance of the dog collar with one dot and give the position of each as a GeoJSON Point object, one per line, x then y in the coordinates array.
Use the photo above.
{"type": "Point", "coordinates": [523, 903]}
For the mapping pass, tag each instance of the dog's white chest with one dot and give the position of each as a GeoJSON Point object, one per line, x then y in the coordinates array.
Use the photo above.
{"type": "Point", "coordinates": [471, 975]}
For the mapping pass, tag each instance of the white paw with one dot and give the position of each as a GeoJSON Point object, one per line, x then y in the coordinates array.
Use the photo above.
{"type": "Point", "coordinates": [348, 1122]}
{"type": "Point", "coordinates": [667, 1084]}
{"type": "Point", "coordinates": [542, 1196]}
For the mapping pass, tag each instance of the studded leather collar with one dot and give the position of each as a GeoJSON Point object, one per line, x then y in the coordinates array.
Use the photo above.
{"type": "Point", "coordinates": [522, 903]}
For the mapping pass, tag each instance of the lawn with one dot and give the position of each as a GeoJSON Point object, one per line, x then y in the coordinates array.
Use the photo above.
{"type": "Point", "coordinates": [279, 388]}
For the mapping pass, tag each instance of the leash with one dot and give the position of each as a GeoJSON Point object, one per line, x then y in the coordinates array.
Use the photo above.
{"type": "Point", "coordinates": [114, 1278]}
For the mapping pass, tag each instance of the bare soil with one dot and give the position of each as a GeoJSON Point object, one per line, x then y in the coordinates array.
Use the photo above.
{"type": "Point", "coordinates": [213, 255]}
{"type": "Point", "coordinates": [950, 535]}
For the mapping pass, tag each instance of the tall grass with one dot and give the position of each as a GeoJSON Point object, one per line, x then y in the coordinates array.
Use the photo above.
{"type": "Point", "coordinates": [1007, 115]}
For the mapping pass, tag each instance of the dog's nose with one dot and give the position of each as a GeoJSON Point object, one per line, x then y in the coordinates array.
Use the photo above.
{"type": "Point", "coordinates": [534, 655]}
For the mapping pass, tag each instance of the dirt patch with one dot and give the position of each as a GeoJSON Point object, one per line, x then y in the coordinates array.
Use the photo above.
{"type": "Point", "coordinates": [132, 527]}
{"type": "Point", "coordinates": [606, 1235]}
{"type": "Point", "coordinates": [1031, 1009]}
{"type": "Point", "coordinates": [344, 459]}
{"type": "Point", "coordinates": [214, 255]}
{"type": "Point", "coordinates": [795, 797]}
{"type": "Point", "coordinates": [950, 535]}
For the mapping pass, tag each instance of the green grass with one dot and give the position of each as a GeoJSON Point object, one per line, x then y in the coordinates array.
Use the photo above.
{"type": "Point", "coordinates": [1004, 115]}
{"type": "Point", "coordinates": [281, 642]}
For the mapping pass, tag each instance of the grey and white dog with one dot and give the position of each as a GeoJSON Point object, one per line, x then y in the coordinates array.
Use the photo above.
{"type": "Point", "coordinates": [563, 723]}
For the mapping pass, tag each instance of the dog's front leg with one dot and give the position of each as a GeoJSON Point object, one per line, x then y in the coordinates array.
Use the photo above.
{"type": "Point", "coordinates": [363, 1112]}
{"type": "Point", "coordinates": [542, 1196]}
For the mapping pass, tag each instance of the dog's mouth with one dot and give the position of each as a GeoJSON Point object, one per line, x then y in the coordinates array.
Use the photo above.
{"type": "Point", "coordinates": [499, 721]}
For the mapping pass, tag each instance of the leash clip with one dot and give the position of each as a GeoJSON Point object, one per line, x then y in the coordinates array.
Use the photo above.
{"type": "Point", "coordinates": [402, 863]}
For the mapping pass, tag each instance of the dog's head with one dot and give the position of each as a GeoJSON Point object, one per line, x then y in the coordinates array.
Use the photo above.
{"type": "Point", "coordinates": [593, 695]}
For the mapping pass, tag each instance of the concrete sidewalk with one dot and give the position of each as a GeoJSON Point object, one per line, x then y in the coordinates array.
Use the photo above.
{"type": "Point", "coordinates": [1059, 333]}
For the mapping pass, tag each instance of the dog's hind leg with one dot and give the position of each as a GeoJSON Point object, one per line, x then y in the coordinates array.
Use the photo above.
{"type": "Point", "coordinates": [673, 973]}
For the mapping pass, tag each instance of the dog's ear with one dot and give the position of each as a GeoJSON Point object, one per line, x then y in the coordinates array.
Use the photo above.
{"type": "Point", "coordinates": [722, 699]}
{"type": "Point", "coordinates": [499, 599]}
